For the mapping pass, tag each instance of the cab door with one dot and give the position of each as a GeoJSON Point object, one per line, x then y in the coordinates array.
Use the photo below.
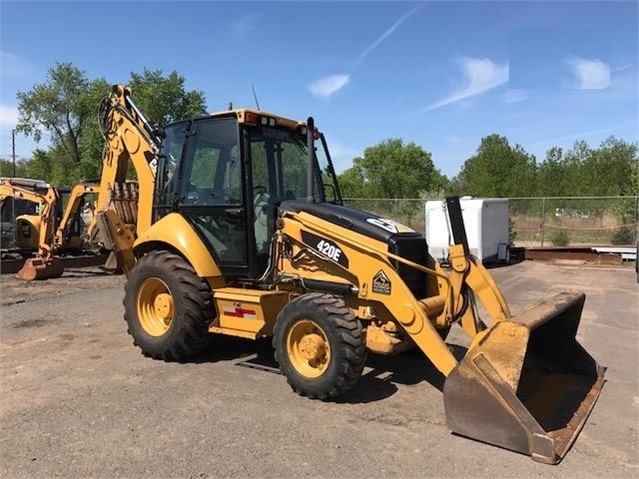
{"type": "Point", "coordinates": [211, 194]}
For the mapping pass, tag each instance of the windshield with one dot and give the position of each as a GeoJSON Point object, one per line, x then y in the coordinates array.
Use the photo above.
{"type": "Point", "coordinates": [279, 160]}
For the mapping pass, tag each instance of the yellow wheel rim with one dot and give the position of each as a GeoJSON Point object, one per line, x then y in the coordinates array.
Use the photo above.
{"type": "Point", "coordinates": [155, 306]}
{"type": "Point", "coordinates": [308, 348]}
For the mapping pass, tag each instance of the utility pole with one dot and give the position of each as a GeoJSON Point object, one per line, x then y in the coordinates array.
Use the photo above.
{"type": "Point", "coordinates": [13, 151]}
{"type": "Point", "coordinates": [13, 200]}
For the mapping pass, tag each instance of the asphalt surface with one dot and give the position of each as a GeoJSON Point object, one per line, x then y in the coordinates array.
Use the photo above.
{"type": "Point", "coordinates": [78, 400]}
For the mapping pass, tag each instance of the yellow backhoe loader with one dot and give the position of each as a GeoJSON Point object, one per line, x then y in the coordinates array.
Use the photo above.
{"type": "Point", "coordinates": [237, 227]}
{"type": "Point", "coordinates": [53, 230]}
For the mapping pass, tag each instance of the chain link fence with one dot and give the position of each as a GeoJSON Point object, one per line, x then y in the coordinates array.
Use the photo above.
{"type": "Point", "coordinates": [576, 221]}
{"type": "Point", "coordinates": [536, 222]}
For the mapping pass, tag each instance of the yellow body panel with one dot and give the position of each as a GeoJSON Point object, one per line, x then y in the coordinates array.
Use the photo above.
{"type": "Point", "coordinates": [368, 258]}
{"type": "Point", "coordinates": [29, 224]}
{"type": "Point", "coordinates": [246, 313]}
{"type": "Point", "coordinates": [240, 113]}
{"type": "Point", "coordinates": [175, 231]}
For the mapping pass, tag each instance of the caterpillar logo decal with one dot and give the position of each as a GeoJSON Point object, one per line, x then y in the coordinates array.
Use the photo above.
{"type": "Point", "coordinates": [389, 225]}
{"type": "Point", "coordinates": [326, 247]}
{"type": "Point", "coordinates": [381, 283]}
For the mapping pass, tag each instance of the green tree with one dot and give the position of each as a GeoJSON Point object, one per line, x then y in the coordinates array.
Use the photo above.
{"type": "Point", "coordinates": [164, 99]}
{"type": "Point", "coordinates": [6, 168]}
{"type": "Point", "coordinates": [351, 182]}
{"type": "Point", "coordinates": [608, 170]}
{"type": "Point", "coordinates": [573, 169]}
{"type": "Point", "coordinates": [91, 141]}
{"type": "Point", "coordinates": [48, 165]}
{"type": "Point", "coordinates": [64, 107]}
{"type": "Point", "coordinates": [553, 177]}
{"type": "Point", "coordinates": [498, 170]}
{"type": "Point", "coordinates": [392, 169]}
{"type": "Point", "coordinates": [60, 107]}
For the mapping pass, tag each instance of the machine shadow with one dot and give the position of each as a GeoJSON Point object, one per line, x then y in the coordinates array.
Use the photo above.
{"type": "Point", "coordinates": [382, 374]}
{"type": "Point", "coordinates": [82, 273]}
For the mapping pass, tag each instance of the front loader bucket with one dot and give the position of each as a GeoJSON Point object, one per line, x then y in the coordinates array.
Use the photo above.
{"type": "Point", "coordinates": [38, 268]}
{"type": "Point", "coordinates": [528, 386]}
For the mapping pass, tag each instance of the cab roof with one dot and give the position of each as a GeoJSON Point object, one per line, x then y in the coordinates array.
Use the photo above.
{"type": "Point", "coordinates": [242, 113]}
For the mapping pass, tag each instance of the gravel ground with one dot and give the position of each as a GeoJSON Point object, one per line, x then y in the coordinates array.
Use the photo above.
{"type": "Point", "coordinates": [78, 400]}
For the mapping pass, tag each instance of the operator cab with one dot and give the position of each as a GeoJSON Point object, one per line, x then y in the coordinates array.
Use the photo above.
{"type": "Point", "coordinates": [228, 173]}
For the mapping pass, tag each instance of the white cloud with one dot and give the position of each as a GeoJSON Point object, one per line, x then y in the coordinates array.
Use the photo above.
{"type": "Point", "coordinates": [8, 116]}
{"type": "Point", "coordinates": [9, 56]}
{"type": "Point", "coordinates": [589, 74]}
{"type": "Point", "coordinates": [514, 96]}
{"type": "Point", "coordinates": [13, 65]}
{"type": "Point", "coordinates": [586, 134]}
{"type": "Point", "coordinates": [387, 33]}
{"type": "Point", "coordinates": [325, 87]}
{"type": "Point", "coordinates": [480, 75]}
{"type": "Point", "coordinates": [246, 24]}
{"type": "Point", "coordinates": [622, 67]}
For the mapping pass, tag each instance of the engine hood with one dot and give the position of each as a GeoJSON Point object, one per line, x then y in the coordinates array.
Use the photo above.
{"type": "Point", "coordinates": [373, 226]}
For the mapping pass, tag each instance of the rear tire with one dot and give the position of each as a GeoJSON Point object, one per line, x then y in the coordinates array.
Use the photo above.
{"type": "Point", "coordinates": [319, 346]}
{"type": "Point", "coordinates": [167, 307]}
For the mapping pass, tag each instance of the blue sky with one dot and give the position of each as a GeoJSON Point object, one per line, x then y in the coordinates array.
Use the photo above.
{"type": "Point", "coordinates": [442, 74]}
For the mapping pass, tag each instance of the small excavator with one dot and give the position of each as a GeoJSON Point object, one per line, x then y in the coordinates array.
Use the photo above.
{"type": "Point", "coordinates": [237, 227]}
{"type": "Point", "coordinates": [52, 230]}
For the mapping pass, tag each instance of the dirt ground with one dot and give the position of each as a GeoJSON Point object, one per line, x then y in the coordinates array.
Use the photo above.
{"type": "Point", "coordinates": [78, 400]}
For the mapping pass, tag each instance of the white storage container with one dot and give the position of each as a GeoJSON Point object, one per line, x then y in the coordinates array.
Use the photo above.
{"type": "Point", "coordinates": [486, 222]}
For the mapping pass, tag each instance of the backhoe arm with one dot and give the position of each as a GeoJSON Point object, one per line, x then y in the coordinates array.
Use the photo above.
{"type": "Point", "coordinates": [130, 138]}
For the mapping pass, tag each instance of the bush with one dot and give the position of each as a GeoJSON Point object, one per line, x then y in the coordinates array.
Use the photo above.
{"type": "Point", "coordinates": [623, 236]}
{"type": "Point", "coordinates": [560, 238]}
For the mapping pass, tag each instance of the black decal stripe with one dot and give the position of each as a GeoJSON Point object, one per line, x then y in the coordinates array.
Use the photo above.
{"type": "Point", "coordinates": [313, 240]}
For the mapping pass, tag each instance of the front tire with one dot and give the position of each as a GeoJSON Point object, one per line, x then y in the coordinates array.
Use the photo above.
{"type": "Point", "coordinates": [319, 346]}
{"type": "Point", "coordinates": [167, 307]}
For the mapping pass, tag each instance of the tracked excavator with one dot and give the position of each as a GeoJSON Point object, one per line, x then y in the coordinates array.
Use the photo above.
{"type": "Point", "coordinates": [41, 226]}
{"type": "Point", "coordinates": [52, 230]}
{"type": "Point", "coordinates": [237, 227]}
{"type": "Point", "coordinates": [68, 232]}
